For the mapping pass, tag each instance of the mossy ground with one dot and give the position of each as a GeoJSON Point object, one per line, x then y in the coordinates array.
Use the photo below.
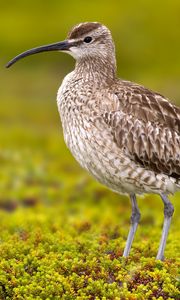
{"type": "Point", "coordinates": [62, 234]}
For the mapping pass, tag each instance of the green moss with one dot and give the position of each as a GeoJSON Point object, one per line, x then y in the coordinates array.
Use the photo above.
{"type": "Point", "coordinates": [70, 250]}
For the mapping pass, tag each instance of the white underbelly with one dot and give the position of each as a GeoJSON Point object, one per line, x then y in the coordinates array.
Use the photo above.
{"type": "Point", "coordinates": [113, 169]}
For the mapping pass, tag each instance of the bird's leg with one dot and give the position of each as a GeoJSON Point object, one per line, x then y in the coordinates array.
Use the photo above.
{"type": "Point", "coordinates": [168, 212]}
{"type": "Point", "coordinates": [135, 217]}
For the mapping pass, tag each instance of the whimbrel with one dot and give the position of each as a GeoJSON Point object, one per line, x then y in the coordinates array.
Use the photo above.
{"type": "Point", "coordinates": [125, 135]}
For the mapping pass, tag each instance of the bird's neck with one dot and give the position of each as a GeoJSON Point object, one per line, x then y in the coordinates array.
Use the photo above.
{"type": "Point", "coordinates": [101, 70]}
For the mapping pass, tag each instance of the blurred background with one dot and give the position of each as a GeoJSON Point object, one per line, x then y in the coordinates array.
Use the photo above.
{"type": "Point", "coordinates": [35, 163]}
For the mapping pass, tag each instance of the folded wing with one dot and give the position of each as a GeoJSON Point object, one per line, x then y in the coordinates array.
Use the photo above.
{"type": "Point", "coordinates": [147, 127]}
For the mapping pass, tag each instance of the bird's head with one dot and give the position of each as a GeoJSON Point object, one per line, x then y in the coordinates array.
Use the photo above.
{"type": "Point", "coordinates": [90, 39]}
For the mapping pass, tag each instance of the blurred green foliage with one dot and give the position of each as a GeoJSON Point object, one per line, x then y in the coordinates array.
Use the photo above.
{"type": "Point", "coordinates": [65, 234]}
{"type": "Point", "coordinates": [146, 34]}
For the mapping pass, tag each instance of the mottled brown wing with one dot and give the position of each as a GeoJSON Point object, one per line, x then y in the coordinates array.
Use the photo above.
{"type": "Point", "coordinates": [147, 127]}
{"type": "Point", "coordinates": [147, 105]}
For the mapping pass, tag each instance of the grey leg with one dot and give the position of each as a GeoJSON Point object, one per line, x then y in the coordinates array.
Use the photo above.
{"type": "Point", "coordinates": [135, 217]}
{"type": "Point", "coordinates": [168, 212]}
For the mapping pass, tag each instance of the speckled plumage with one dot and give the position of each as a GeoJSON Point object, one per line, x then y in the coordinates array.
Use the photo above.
{"type": "Point", "coordinates": [126, 136]}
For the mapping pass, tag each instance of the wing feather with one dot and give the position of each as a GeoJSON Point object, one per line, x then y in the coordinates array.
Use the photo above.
{"type": "Point", "coordinates": [147, 105]}
{"type": "Point", "coordinates": [147, 127]}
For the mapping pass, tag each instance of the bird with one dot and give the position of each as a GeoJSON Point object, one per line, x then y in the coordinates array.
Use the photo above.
{"type": "Point", "coordinates": [124, 134]}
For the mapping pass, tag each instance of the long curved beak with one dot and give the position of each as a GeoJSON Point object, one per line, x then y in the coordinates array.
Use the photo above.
{"type": "Point", "coordinates": [60, 46]}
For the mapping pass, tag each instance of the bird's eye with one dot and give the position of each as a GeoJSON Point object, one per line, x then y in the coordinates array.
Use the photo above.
{"type": "Point", "coordinates": [87, 39]}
